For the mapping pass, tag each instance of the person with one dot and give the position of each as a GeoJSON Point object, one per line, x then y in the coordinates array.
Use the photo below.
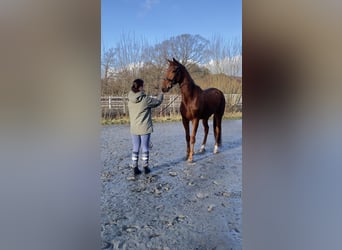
{"type": "Point", "coordinates": [141, 126]}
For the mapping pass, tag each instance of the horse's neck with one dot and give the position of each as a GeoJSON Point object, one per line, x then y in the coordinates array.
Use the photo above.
{"type": "Point", "coordinates": [189, 88]}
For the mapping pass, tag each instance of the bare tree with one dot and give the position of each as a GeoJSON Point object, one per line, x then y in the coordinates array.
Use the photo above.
{"type": "Point", "coordinates": [129, 60]}
{"type": "Point", "coordinates": [186, 48]}
{"type": "Point", "coordinates": [107, 63]}
{"type": "Point", "coordinates": [154, 66]}
{"type": "Point", "coordinates": [225, 56]}
{"type": "Point", "coordinates": [107, 66]}
{"type": "Point", "coordinates": [130, 51]}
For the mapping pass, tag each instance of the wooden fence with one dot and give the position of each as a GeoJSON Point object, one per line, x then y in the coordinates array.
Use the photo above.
{"type": "Point", "coordinates": [116, 106]}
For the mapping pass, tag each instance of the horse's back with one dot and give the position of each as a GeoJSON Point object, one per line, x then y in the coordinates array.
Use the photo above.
{"type": "Point", "coordinates": [214, 100]}
{"type": "Point", "coordinates": [213, 92]}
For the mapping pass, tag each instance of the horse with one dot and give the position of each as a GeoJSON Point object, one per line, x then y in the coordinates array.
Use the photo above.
{"type": "Point", "coordinates": [196, 105]}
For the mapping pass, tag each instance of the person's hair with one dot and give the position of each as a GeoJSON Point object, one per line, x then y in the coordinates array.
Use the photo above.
{"type": "Point", "coordinates": [137, 83]}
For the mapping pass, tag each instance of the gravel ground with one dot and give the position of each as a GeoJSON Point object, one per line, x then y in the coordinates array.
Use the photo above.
{"type": "Point", "coordinates": [179, 205]}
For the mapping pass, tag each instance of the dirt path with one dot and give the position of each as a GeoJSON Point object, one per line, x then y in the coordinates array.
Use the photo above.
{"type": "Point", "coordinates": [179, 205]}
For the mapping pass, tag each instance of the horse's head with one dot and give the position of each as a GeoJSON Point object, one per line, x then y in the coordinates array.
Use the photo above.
{"type": "Point", "coordinates": [173, 75]}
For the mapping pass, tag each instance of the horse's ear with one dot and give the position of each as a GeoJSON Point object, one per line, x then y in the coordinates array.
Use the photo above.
{"type": "Point", "coordinates": [174, 60]}
{"type": "Point", "coordinates": [169, 60]}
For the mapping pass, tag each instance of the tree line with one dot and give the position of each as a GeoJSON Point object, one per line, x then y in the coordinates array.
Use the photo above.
{"type": "Point", "coordinates": [211, 63]}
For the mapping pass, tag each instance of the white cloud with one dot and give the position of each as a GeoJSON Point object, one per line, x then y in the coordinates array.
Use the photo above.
{"type": "Point", "coordinates": [229, 66]}
{"type": "Point", "coordinates": [147, 6]}
{"type": "Point", "coordinates": [149, 3]}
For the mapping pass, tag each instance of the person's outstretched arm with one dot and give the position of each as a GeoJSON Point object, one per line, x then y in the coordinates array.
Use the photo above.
{"type": "Point", "coordinates": [155, 102]}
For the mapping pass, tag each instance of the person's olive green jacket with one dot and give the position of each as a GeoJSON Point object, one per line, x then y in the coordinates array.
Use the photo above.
{"type": "Point", "coordinates": [139, 108]}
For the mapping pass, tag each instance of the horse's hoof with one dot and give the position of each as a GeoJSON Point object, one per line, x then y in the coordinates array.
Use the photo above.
{"type": "Point", "coordinates": [202, 149]}
{"type": "Point", "coordinates": [215, 149]}
{"type": "Point", "coordinates": [191, 163]}
{"type": "Point", "coordinates": [186, 157]}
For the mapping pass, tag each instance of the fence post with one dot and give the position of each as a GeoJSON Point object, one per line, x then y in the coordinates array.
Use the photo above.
{"type": "Point", "coordinates": [173, 104]}
{"type": "Point", "coordinates": [109, 102]}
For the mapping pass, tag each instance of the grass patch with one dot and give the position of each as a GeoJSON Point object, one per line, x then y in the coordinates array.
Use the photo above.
{"type": "Point", "coordinates": [174, 118]}
{"type": "Point", "coordinates": [233, 116]}
{"type": "Point", "coordinates": [120, 120]}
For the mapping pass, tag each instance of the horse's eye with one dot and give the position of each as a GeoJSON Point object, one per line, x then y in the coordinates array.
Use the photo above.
{"type": "Point", "coordinates": [175, 70]}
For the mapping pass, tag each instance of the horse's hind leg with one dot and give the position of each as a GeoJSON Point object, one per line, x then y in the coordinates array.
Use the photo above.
{"type": "Point", "coordinates": [217, 131]}
{"type": "Point", "coordinates": [206, 130]}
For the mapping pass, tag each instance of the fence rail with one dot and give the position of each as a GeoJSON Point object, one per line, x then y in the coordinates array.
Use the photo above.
{"type": "Point", "coordinates": [114, 106]}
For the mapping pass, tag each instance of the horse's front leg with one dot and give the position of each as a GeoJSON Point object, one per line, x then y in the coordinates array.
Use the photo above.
{"type": "Point", "coordinates": [193, 138]}
{"type": "Point", "coordinates": [206, 130]}
{"type": "Point", "coordinates": [187, 135]}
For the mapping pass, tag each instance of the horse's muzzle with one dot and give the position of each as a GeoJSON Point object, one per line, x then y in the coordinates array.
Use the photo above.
{"type": "Point", "coordinates": [164, 90]}
{"type": "Point", "coordinates": [169, 85]}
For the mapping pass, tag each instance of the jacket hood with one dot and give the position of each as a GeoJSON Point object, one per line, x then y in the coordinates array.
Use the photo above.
{"type": "Point", "coordinates": [136, 97]}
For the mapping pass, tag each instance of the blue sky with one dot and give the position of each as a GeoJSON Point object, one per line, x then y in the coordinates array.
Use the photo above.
{"type": "Point", "coordinates": [158, 20]}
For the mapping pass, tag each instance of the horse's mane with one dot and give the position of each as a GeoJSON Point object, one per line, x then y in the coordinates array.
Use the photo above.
{"type": "Point", "coordinates": [188, 77]}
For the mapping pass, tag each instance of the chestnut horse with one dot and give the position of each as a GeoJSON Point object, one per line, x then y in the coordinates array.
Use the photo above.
{"type": "Point", "coordinates": [197, 104]}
